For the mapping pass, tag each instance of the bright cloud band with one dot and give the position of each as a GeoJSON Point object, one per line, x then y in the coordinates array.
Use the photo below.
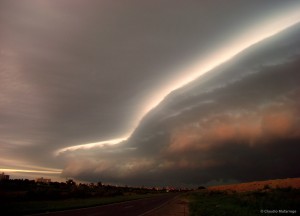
{"type": "Point", "coordinates": [268, 29]}
{"type": "Point", "coordinates": [32, 171]}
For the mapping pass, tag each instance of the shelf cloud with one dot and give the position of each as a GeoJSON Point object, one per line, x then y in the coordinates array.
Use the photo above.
{"type": "Point", "coordinates": [150, 93]}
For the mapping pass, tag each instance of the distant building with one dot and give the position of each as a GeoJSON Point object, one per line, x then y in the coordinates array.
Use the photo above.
{"type": "Point", "coordinates": [4, 177]}
{"type": "Point", "coordinates": [42, 180]}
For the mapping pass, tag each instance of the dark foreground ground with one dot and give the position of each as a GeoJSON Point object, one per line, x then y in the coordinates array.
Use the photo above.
{"type": "Point", "coordinates": [268, 201]}
{"type": "Point", "coordinates": [130, 208]}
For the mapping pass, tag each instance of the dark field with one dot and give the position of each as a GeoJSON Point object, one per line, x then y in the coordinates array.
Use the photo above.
{"type": "Point", "coordinates": [282, 201]}
{"type": "Point", "coordinates": [20, 197]}
{"type": "Point", "coordinates": [31, 207]}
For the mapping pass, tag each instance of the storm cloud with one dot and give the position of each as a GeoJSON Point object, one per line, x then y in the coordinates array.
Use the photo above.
{"type": "Point", "coordinates": [238, 122]}
{"type": "Point", "coordinates": [76, 72]}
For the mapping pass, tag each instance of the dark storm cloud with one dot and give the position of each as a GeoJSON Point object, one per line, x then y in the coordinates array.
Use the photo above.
{"type": "Point", "coordinates": [74, 72]}
{"type": "Point", "coordinates": [239, 122]}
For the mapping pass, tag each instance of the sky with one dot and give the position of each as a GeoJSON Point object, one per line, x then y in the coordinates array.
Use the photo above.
{"type": "Point", "coordinates": [151, 93]}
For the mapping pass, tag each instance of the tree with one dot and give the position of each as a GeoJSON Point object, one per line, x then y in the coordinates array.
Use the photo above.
{"type": "Point", "coordinates": [70, 182]}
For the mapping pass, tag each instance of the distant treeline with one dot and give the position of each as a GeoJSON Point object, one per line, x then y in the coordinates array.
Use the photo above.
{"type": "Point", "coordinates": [24, 189]}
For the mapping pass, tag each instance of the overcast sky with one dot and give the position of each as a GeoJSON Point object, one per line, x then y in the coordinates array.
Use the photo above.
{"type": "Point", "coordinates": [79, 72]}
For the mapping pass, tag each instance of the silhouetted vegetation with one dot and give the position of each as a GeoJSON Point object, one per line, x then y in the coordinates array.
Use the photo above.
{"type": "Point", "coordinates": [18, 196]}
{"type": "Point", "coordinates": [245, 203]}
{"type": "Point", "coordinates": [17, 189]}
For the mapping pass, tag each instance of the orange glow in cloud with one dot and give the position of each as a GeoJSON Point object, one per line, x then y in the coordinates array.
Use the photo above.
{"type": "Point", "coordinates": [260, 126]}
{"type": "Point", "coordinates": [278, 123]}
{"type": "Point", "coordinates": [264, 30]}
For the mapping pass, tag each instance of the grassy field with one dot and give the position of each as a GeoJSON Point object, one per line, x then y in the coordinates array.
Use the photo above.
{"type": "Point", "coordinates": [259, 185]}
{"type": "Point", "coordinates": [268, 201]}
{"type": "Point", "coordinates": [30, 207]}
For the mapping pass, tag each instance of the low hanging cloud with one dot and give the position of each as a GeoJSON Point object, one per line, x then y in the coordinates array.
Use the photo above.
{"type": "Point", "coordinates": [74, 72]}
{"type": "Point", "coordinates": [238, 122]}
